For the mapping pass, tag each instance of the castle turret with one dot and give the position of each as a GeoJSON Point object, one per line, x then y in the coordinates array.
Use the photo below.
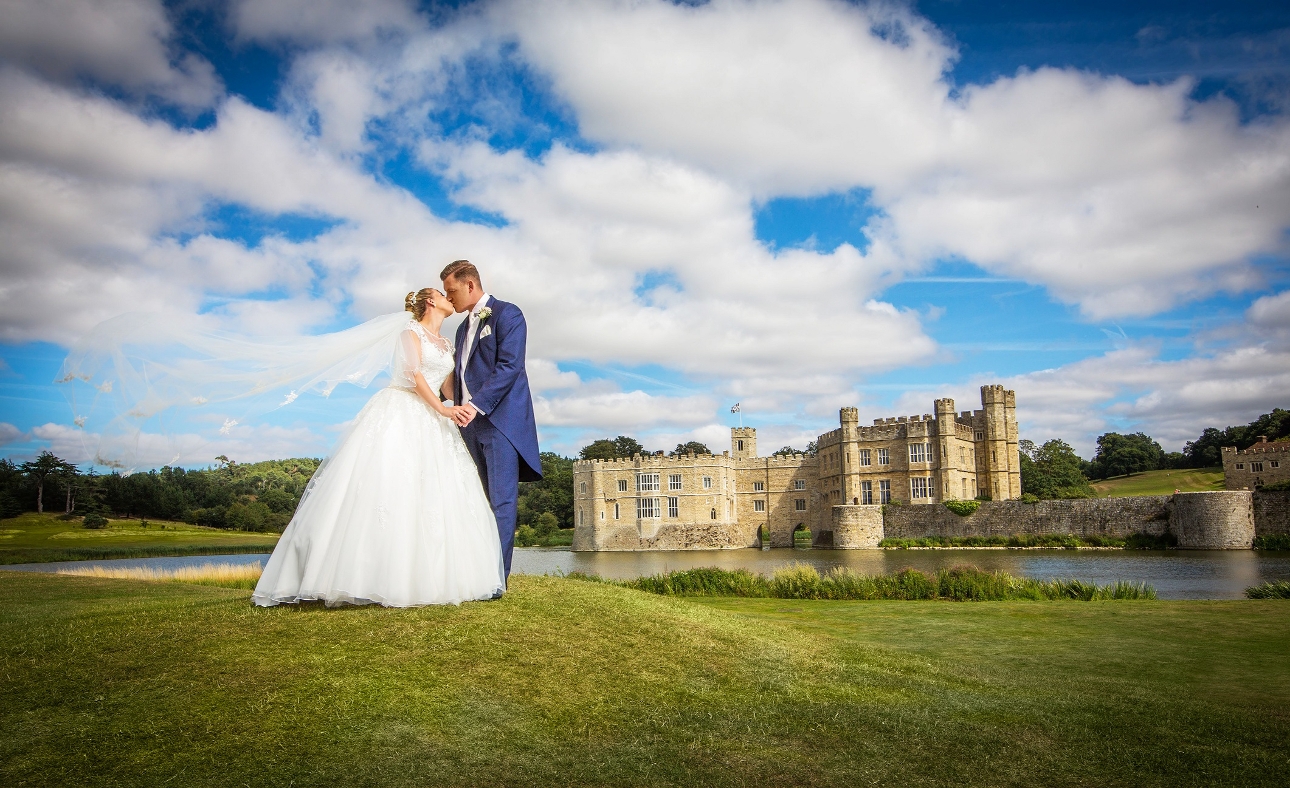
{"type": "Point", "coordinates": [849, 418]}
{"type": "Point", "coordinates": [743, 442]}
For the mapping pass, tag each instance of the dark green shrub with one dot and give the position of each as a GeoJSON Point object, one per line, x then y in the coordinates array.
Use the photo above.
{"type": "Point", "coordinates": [1274, 589]}
{"type": "Point", "coordinates": [94, 520]}
{"type": "Point", "coordinates": [1029, 498]}
{"type": "Point", "coordinates": [984, 497]}
{"type": "Point", "coordinates": [9, 506]}
{"type": "Point", "coordinates": [1142, 541]}
{"type": "Point", "coordinates": [963, 508]}
{"type": "Point", "coordinates": [1272, 542]}
{"type": "Point", "coordinates": [1277, 487]}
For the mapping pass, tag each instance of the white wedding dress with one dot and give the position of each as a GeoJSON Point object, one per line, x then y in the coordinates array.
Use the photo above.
{"type": "Point", "coordinates": [397, 515]}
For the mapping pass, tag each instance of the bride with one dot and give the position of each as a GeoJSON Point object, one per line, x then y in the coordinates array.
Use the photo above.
{"type": "Point", "coordinates": [397, 515]}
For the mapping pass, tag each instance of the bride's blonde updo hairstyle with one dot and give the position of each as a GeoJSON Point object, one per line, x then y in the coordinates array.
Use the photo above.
{"type": "Point", "coordinates": [415, 302]}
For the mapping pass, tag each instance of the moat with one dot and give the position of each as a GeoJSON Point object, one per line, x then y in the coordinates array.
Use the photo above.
{"type": "Point", "coordinates": [1175, 574]}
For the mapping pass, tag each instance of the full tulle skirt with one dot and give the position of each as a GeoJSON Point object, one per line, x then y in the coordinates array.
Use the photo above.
{"type": "Point", "coordinates": [397, 516]}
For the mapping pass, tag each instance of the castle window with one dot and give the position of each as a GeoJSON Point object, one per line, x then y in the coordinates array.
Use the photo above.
{"type": "Point", "coordinates": [583, 488]}
{"type": "Point", "coordinates": [622, 485]}
{"type": "Point", "coordinates": [673, 507]}
{"type": "Point", "coordinates": [866, 493]}
{"type": "Point", "coordinates": [799, 504]}
{"type": "Point", "coordinates": [615, 511]}
{"type": "Point", "coordinates": [917, 452]}
{"type": "Point", "coordinates": [799, 484]}
{"type": "Point", "coordinates": [647, 508]}
{"type": "Point", "coordinates": [739, 445]}
{"type": "Point", "coordinates": [919, 487]}
{"type": "Point", "coordinates": [965, 492]}
{"type": "Point", "coordinates": [602, 514]}
{"type": "Point", "coordinates": [580, 517]}
{"type": "Point", "coordinates": [714, 514]}
{"type": "Point", "coordinates": [759, 486]}
{"type": "Point", "coordinates": [884, 457]}
{"type": "Point", "coordinates": [1257, 467]}
{"type": "Point", "coordinates": [864, 456]}
{"type": "Point", "coordinates": [707, 482]}
{"type": "Point", "coordinates": [980, 435]}
{"type": "Point", "coordinates": [759, 505]}
{"type": "Point", "coordinates": [674, 481]}
{"type": "Point", "coordinates": [647, 482]}
{"type": "Point", "coordinates": [962, 455]}
{"type": "Point", "coordinates": [1240, 466]}
{"type": "Point", "coordinates": [1276, 463]}
{"type": "Point", "coordinates": [884, 491]}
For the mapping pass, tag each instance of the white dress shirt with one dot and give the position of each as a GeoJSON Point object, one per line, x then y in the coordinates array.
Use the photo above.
{"type": "Point", "coordinates": [471, 326]}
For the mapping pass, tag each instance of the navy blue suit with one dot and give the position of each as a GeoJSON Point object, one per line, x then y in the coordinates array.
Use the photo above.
{"type": "Point", "coordinates": [502, 439]}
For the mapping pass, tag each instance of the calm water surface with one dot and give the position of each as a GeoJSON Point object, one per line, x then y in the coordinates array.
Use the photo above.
{"type": "Point", "coordinates": [1175, 574]}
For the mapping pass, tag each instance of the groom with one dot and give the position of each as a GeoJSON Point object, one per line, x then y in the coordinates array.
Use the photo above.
{"type": "Point", "coordinates": [494, 409]}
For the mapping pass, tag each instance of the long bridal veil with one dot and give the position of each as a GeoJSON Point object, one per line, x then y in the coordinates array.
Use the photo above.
{"type": "Point", "coordinates": [147, 390]}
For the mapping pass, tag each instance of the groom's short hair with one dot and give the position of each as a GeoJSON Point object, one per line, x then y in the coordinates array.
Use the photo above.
{"type": "Point", "coordinates": [461, 269]}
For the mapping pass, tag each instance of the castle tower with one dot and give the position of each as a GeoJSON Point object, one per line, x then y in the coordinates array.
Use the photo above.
{"type": "Point", "coordinates": [947, 481]}
{"type": "Point", "coordinates": [1001, 461]}
{"type": "Point", "coordinates": [849, 418]}
{"type": "Point", "coordinates": [743, 442]}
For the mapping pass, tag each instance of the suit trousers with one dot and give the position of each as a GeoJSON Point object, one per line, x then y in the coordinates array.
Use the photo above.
{"type": "Point", "coordinates": [499, 469]}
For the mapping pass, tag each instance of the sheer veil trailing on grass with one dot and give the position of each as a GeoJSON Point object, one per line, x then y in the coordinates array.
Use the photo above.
{"type": "Point", "coordinates": [147, 389]}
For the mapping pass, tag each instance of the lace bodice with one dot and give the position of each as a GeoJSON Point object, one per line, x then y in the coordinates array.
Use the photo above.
{"type": "Point", "coordinates": [419, 351]}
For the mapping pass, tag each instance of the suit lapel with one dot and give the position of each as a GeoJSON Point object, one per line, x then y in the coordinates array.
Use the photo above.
{"type": "Point", "coordinates": [479, 328]}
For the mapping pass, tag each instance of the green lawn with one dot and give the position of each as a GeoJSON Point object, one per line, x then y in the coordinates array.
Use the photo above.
{"type": "Point", "coordinates": [43, 537]}
{"type": "Point", "coordinates": [1161, 483]}
{"type": "Point", "coordinates": [114, 682]}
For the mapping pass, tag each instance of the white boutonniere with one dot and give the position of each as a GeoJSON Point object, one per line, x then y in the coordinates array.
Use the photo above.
{"type": "Point", "coordinates": [485, 313]}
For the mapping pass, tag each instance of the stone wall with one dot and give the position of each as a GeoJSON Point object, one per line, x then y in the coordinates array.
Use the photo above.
{"type": "Point", "coordinates": [1271, 513]}
{"type": "Point", "coordinates": [1115, 517]}
{"type": "Point", "coordinates": [654, 534]}
{"type": "Point", "coordinates": [1213, 520]}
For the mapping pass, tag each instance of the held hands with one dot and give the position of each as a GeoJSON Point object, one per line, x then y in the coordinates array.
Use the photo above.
{"type": "Point", "coordinates": [462, 414]}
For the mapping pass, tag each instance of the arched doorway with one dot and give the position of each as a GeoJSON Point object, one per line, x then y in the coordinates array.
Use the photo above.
{"type": "Point", "coordinates": [802, 536]}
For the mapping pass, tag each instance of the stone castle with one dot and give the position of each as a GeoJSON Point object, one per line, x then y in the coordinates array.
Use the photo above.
{"type": "Point", "coordinates": [1262, 464]}
{"type": "Point", "coordinates": [737, 499]}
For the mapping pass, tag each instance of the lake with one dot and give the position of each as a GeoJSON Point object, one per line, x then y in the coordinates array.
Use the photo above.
{"type": "Point", "coordinates": [1175, 574]}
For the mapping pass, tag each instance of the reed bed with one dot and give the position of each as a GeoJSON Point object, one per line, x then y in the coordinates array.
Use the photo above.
{"type": "Point", "coordinates": [801, 581]}
{"type": "Point", "coordinates": [1273, 589]}
{"type": "Point", "coordinates": [243, 576]}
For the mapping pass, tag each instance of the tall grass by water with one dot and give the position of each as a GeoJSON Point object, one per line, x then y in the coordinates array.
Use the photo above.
{"type": "Point", "coordinates": [1273, 589]}
{"type": "Point", "coordinates": [243, 576]}
{"type": "Point", "coordinates": [801, 581]}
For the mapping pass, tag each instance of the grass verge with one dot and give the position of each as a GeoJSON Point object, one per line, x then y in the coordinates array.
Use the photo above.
{"type": "Point", "coordinates": [116, 682]}
{"type": "Point", "coordinates": [42, 538]}
{"type": "Point", "coordinates": [800, 581]}
{"type": "Point", "coordinates": [243, 576]}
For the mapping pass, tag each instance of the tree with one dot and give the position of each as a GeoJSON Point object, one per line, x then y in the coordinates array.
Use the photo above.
{"type": "Point", "coordinates": [620, 448]}
{"type": "Point", "coordinates": [41, 470]}
{"type": "Point", "coordinates": [1206, 450]}
{"type": "Point", "coordinates": [1053, 470]}
{"type": "Point", "coordinates": [1121, 455]}
{"type": "Point", "coordinates": [553, 495]}
{"type": "Point", "coordinates": [691, 447]}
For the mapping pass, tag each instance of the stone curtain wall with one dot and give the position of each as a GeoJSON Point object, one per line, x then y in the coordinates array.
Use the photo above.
{"type": "Point", "coordinates": [1271, 513]}
{"type": "Point", "coordinates": [1116, 517]}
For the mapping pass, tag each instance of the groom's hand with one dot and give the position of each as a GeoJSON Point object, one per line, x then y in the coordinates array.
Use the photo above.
{"type": "Point", "coordinates": [464, 414]}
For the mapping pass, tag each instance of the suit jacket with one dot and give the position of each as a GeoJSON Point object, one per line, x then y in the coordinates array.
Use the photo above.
{"type": "Point", "coordinates": [498, 384]}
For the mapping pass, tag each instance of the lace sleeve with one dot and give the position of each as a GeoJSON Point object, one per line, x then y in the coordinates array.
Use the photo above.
{"type": "Point", "coordinates": [407, 360]}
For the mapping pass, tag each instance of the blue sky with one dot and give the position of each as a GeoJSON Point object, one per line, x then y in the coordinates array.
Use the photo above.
{"type": "Point", "coordinates": [795, 205]}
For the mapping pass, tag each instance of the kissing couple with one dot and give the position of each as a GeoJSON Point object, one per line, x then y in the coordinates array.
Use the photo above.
{"type": "Point", "coordinates": [417, 504]}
